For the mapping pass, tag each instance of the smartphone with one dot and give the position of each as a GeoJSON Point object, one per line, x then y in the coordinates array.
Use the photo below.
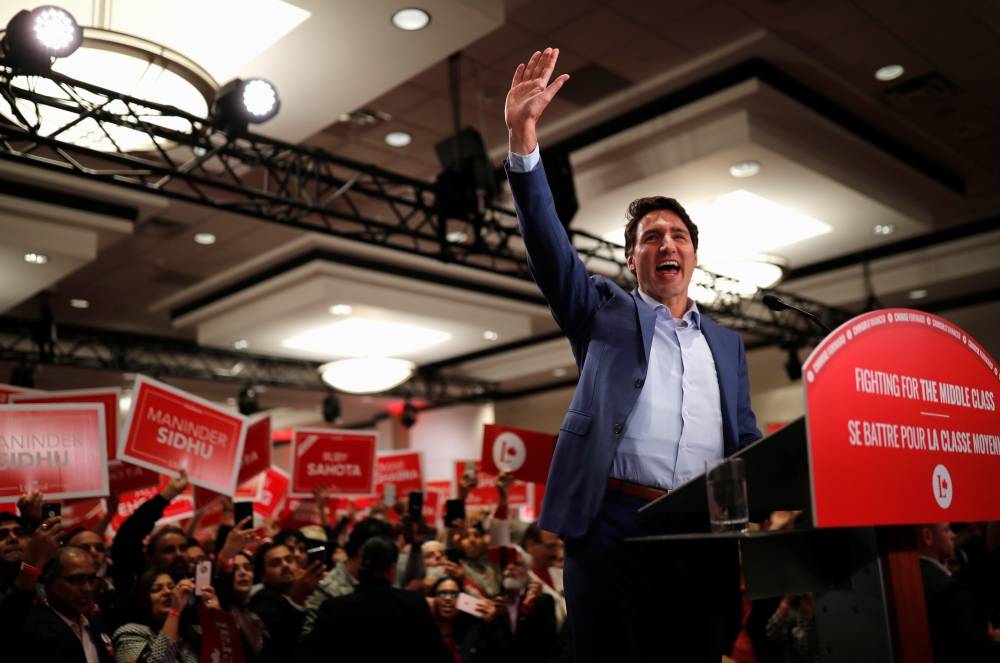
{"type": "Point", "coordinates": [454, 555]}
{"type": "Point", "coordinates": [51, 510]}
{"type": "Point", "coordinates": [202, 576]}
{"type": "Point", "coordinates": [415, 506]}
{"type": "Point", "coordinates": [317, 554]}
{"type": "Point", "coordinates": [389, 497]}
{"type": "Point", "coordinates": [470, 604]}
{"type": "Point", "coordinates": [243, 510]}
{"type": "Point", "coordinates": [453, 510]}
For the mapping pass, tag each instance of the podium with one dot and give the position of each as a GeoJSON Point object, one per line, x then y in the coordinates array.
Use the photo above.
{"type": "Point", "coordinates": [888, 442]}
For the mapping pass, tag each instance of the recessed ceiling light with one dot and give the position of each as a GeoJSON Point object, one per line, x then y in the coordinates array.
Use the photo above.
{"type": "Point", "coordinates": [411, 18]}
{"type": "Point", "coordinates": [456, 237]}
{"type": "Point", "coordinates": [744, 168]}
{"type": "Point", "coordinates": [241, 344]}
{"type": "Point", "coordinates": [884, 229]}
{"type": "Point", "coordinates": [490, 335]}
{"type": "Point", "coordinates": [36, 258]}
{"type": "Point", "coordinates": [890, 72]}
{"type": "Point", "coordinates": [79, 303]}
{"type": "Point", "coordinates": [559, 372]}
{"type": "Point", "coordinates": [361, 337]}
{"type": "Point", "coordinates": [205, 239]}
{"type": "Point", "coordinates": [398, 139]}
{"type": "Point", "coordinates": [919, 293]}
{"type": "Point", "coordinates": [340, 309]}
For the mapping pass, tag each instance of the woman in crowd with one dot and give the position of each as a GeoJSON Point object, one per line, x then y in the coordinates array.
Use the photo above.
{"type": "Point", "coordinates": [159, 635]}
{"type": "Point", "coordinates": [470, 639]}
{"type": "Point", "coordinates": [235, 582]}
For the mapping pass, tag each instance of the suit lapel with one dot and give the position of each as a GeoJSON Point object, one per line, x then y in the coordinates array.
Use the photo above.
{"type": "Point", "coordinates": [647, 322]}
{"type": "Point", "coordinates": [727, 380]}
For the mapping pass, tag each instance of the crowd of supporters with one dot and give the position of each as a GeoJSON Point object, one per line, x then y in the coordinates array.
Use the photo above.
{"type": "Point", "coordinates": [483, 588]}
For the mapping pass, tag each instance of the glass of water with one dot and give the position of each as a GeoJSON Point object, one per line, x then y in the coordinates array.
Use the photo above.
{"type": "Point", "coordinates": [726, 483]}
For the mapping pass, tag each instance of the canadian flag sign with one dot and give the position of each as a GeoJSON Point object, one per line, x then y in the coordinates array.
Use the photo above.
{"type": "Point", "coordinates": [400, 468]}
{"type": "Point", "coordinates": [169, 430]}
{"type": "Point", "coordinates": [58, 449]}
{"type": "Point", "coordinates": [220, 636]}
{"type": "Point", "coordinates": [525, 454]}
{"type": "Point", "coordinates": [273, 493]}
{"type": "Point", "coordinates": [257, 449]}
{"type": "Point", "coordinates": [106, 398]}
{"type": "Point", "coordinates": [341, 460]}
{"type": "Point", "coordinates": [485, 493]}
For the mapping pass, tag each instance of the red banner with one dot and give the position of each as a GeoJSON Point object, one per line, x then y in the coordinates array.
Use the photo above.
{"type": "Point", "coordinates": [341, 460]}
{"type": "Point", "coordinates": [901, 410]}
{"type": "Point", "coordinates": [106, 398]}
{"type": "Point", "coordinates": [400, 468]}
{"type": "Point", "coordinates": [486, 492]}
{"type": "Point", "coordinates": [273, 493]}
{"type": "Point", "coordinates": [445, 487]}
{"type": "Point", "coordinates": [58, 449]}
{"type": "Point", "coordinates": [220, 636]}
{"type": "Point", "coordinates": [525, 454]}
{"type": "Point", "coordinates": [124, 477]}
{"type": "Point", "coordinates": [169, 430]}
{"type": "Point", "coordinates": [257, 449]}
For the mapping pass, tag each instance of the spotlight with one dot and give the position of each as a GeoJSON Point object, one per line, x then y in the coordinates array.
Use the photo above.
{"type": "Point", "coordinates": [247, 402]}
{"type": "Point", "coordinates": [34, 37]}
{"type": "Point", "coordinates": [793, 367]}
{"type": "Point", "coordinates": [408, 416]}
{"type": "Point", "coordinates": [23, 375]}
{"type": "Point", "coordinates": [240, 102]}
{"type": "Point", "coordinates": [331, 408]}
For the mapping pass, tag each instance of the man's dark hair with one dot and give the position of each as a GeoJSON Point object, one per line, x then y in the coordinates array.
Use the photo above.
{"type": "Point", "coordinates": [364, 530]}
{"type": "Point", "coordinates": [54, 567]}
{"type": "Point", "coordinates": [640, 207]}
{"type": "Point", "coordinates": [378, 555]}
{"type": "Point", "coordinates": [285, 534]}
{"type": "Point", "coordinates": [258, 558]}
{"type": "Point", "coordinates": [159, 534]}
{"type": "Point", "coordinates": [532, 534]}
{"type": "Point", "coordinates": [8, 517]}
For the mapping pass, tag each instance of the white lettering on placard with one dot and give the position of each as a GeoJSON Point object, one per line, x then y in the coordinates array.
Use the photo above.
{"type": "Point", "coordinates": [334, 470]}
{"type": "Point", "coordinates": [908, 387]}
{"type": "Point", "coordinates": [25, 460]}
{"type": "Point", "coordinates": [187, 427]}
{"type": "Point", "coordinates": [884, 435]}
{"type": "Point", "coordinates": [33, 441]}
{"type": "Point", "coordinates": [182, 442]}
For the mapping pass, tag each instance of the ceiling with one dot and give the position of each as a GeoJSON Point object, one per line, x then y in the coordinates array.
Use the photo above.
{"type": "Point", "coordinates": [663, 97]}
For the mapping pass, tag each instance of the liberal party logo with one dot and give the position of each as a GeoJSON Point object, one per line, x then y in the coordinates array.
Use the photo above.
{"type": "Point", "coordinates": [942, 486]}
{"type": "Point", "coordinates": [509, 452]}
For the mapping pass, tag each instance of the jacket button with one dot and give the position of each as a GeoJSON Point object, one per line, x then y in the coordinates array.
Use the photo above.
{"type": "Point", "coordinates": [638, 383]}
{"type": "Point", "coordinates": [618, 429]}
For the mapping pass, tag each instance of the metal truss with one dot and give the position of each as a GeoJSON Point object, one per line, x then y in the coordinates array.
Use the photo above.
{"type": "Point", "coordinates": [40, 342]}
{"type": "Point", "coordinates": [192, 159]}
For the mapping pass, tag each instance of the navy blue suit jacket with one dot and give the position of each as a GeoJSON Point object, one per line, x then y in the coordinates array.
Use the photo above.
{"type": "Point", "coordinates": [611, 332]}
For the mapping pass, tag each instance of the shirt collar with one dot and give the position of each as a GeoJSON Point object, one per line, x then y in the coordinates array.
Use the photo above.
{"type": "Point", "coordinates": [83, 622]}
{"type": "Point", "coordinates": [692, 315]}
{"type": "Point", "coordinates": [937, 563]}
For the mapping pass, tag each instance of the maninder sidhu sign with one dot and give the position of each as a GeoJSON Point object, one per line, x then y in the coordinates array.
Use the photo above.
{"type": "Point", "coordinates": [169, 430]}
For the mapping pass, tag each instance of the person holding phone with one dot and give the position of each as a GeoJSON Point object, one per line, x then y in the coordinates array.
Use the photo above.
{"type": "Point", "coordinates": [466, 623]}
{"type": "Point", "coordinates": [662, 390]}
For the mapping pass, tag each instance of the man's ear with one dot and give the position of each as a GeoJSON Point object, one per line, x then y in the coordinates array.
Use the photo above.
{"type": "Point", "coordinates": [630, 263]}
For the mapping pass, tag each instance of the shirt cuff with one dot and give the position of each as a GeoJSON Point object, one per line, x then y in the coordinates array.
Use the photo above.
{"type": "Point", "coordinates": [523, 163]}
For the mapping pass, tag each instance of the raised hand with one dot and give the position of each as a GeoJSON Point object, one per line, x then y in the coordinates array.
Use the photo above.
{"type": "Point", "coordinates": [530, 94]}
{"type": "Point", "coordinates": [175, 486]}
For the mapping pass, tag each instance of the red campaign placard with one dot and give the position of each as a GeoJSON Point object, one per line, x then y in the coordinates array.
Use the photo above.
{"type": "Point", "coordinates": [402, 469]}
{"type": "Point", "coordinates": [251, 489]}
{"type": "Point", "coordinates": [86, 513]}
{"type": "Point", "coordinates": [524, 453]}
{"type": "Point", "coordinates": [124, 477]}
{"type": "Point", "coordinates": [58, 449]}
{"type": "Point", "coordinates": [485, 494]}
{"type": "Point", "coordinates": [445, 486]}
{"type": "Point", "coordinates": [901, 411]}
{"type": "Point", "coordinates": [220, 636]}
{"type": "Point", "coordinates": [106, 398]}
{"type": "Point", "coordinates": [203, 498]}
{"type": "Point", "coordinates": [299, 513]}
{"type": "Point", "coordinates": [341, 460]}
{"type": "Point", "coordinates": [257, 449]}
{"type": "Point", "coordinates": [8, 390]}
{"type": "Point", "coordinates": [180, 508]}
{"type": "Point", "coordinates": [169, 430]}
{"type": "Point", "coordinates": [273, 493]}
{"type": "Point", "coordinates": [433, 508]}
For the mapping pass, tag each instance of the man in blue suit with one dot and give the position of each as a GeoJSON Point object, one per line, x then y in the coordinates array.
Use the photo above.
{"type": "Point", "coordinates": [662, 390]}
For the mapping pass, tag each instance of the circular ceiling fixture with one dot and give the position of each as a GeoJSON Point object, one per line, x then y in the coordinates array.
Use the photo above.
{"type": "Point", "coordinates": [366, 375]}
{"type": "Point", "coordinates": [341, 309]}
{"type": "Point", "coordinates": [744, 168]}
{"type": "Point", "coordinates": [398, 139]}
{"type": "Point", "coordinates": [889, 72]}
{"type": "Point", "coordinates": [205, 239]}
{"type": "Point", "coordinates": [411, 19]}
{"type": "Point", "coordinates": [884, 229]}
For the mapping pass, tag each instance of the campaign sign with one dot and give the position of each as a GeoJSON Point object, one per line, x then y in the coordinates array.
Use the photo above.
{"type": "Point", "coordinates": [341, 460]}
{"type": "Point", "coordinates": [400, 468]}
{"type": "Point", "coordinates": [257, 449]}
{"type": "Point", "coordinates": [525, 454]}
{"type": "Point", "coordinates": [273, 493]}
{"type": "Point", "coordinates": [8, 390]}
{"type": "Point", "coordinates": [220, 636]}
{"type": "Point", "coordinates": [124, 477]}
{"type": "Point", "coordinates": [57, 448]}
{"type": "Point", "coordinates": [485, 494]}
{"type": "Point", "coordinates": [901, 411]}
{"type": "Point", "coordinates": [106, 398]}
{"type": "Point", "coordinates": [180, 508]}
{"type": "Point", "coordinates": [86, 513]}
{"type": "Point", "coordinates": [170, 430]}
{"type": "Point", "coordinates": [251, 489]}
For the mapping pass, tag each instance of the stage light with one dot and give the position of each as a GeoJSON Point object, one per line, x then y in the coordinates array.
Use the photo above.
{"type": "Point", "coordinates": [34, 37]}
{"type": "Point", "coordinates": [247, 401]}
{"type": "Point", "coordinates": [408, 416]}
{"type": "Point", "coordinates": [331, 408]}
{"type": "Point", "coordinates": [240, 102]}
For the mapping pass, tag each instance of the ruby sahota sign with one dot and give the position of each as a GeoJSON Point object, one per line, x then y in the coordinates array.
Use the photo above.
{"type": "Point", "coordinates": [901, 412]}
{"type": "Point", "coordinates": [169, 430]}
{"type": "Point", "coordinates": [58, 449]}
{"type": "Point", "coordinates": [343, 461]}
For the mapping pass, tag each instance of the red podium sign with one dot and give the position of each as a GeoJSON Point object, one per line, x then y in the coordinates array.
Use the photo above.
{"type": "Point", "coordinates": [901, 411]}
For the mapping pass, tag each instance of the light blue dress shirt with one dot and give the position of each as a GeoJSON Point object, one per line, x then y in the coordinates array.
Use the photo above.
{"type": "Point", "coordinates": [676, 425]}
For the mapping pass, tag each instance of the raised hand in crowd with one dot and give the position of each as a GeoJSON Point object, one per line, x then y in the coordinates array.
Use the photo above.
{"type": "Point", "coordinates": [175, 486]}
{"type": "Point", "coordinates": [42, 545]}
{"type": "Point", "coordinates": [209, 598]}
{"type": "Point", "coordinates": [30, 506]}
{"type": "Point", "coordinates": [530, 94]}
{"type": "Point", "coordinates": [239, 538]}
{"type": "Point", "coordinates": [321, 493]}
{"type": "Point", "coordinates": [307, 581]}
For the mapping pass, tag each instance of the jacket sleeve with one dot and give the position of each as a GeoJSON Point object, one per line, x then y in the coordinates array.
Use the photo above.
{"type": "Point", "coordinates": [126, 550]}
{"type": "Point", "coordinates": [552, 260]}
{"type": "Point", "coordinates": [746, 419]}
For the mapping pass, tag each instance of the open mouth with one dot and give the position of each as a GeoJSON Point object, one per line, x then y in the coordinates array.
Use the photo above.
{"type": "Point", "coordinates": [669, 266]}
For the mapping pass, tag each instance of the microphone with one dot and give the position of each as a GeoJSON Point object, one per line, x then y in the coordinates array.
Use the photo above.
{"type": "Point", "coordinates": [775, 304]}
